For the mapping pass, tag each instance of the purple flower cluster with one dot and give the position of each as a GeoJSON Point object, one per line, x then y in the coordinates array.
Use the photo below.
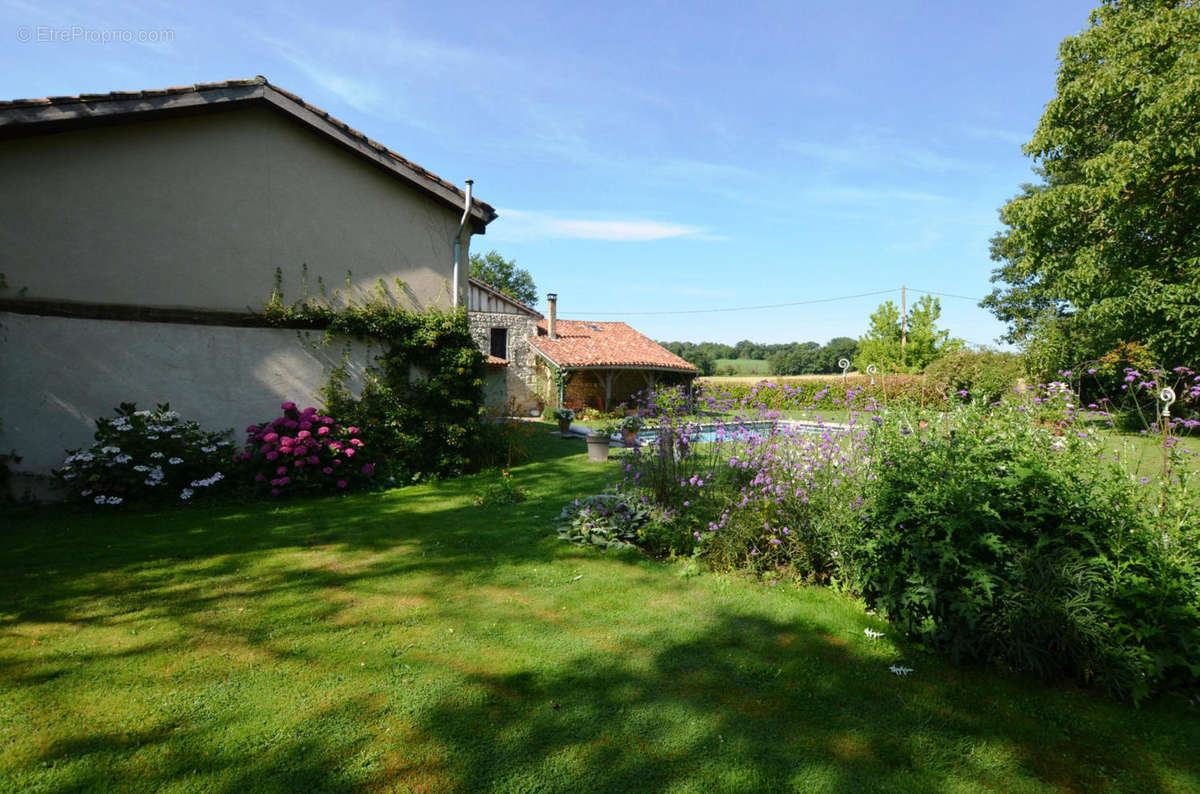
{"type": "Point", "coordinates": [305, 450]}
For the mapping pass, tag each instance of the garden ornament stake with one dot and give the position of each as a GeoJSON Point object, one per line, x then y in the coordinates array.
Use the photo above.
{"type": "Point", "coordinates": [871, 370]}
{"type": "Point", "coordinates": [844, 363]}
{"type": "Point", "coordinates": [1166, 396]}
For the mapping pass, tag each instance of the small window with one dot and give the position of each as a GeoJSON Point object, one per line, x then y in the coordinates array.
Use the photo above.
{"type": "Point", "coordinates": [500, 343]}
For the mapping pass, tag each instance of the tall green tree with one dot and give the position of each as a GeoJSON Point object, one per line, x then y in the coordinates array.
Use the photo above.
{"type": "Point", "coordinates": [1106, 249]}
{"type": "Point", "coordinates": [883, 346]}
{"type": "Point", "coordinates": [836, 349]}
{"type": "Point", "coordinates": [504, 275]}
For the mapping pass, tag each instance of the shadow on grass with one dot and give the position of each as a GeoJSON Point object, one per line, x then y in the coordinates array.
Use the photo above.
{"type": "Point", "coordinates": [755, 704]}
{"type": "Point", "coordinates": [742, 702]}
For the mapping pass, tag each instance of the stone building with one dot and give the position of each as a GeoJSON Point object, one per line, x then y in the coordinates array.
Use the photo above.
{"type": "Point", "coordinates": [538, 362]}
{"type": "Point", "coordinates": [501, 327]}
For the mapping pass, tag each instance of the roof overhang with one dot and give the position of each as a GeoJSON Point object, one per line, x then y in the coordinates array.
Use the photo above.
{"type": "Point", "coordinates": [631, 367]}
{"type": "Point", "coordinates": [28, 117]}
{"type": "Point", "coordinates": [488, 288]}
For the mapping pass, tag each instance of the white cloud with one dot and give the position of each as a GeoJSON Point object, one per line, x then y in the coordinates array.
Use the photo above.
{"type": "Point", "coordinates": [875, 149]}
{"type": "Point", "coordinates": [514, 225]}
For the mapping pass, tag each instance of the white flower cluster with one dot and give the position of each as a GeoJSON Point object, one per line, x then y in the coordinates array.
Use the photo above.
{"type": "Point", "coordinates": [108, 500]}
{"type": "Point", "coordinates": [82, 457]}
{"type": "Point", "coordinates": [186, 494]}
{"type": "Point", "coordinates": [156, 476]}
{"type": "Point", "coordinates": [175, 461]}
{"type": "Point", "coordinates": [110, 450]}
{"type": "Point", "coordinates": [207, 481]}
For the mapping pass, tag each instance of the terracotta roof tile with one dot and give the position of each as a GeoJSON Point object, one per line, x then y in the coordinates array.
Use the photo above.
{"type": "Point", "coordinates": [587, 344]}
{"type": "Point", "coordinates": [496, 361]}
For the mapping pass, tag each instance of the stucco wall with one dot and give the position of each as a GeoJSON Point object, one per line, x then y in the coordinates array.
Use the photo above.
{"type": "Point", "coordinates": [519, 394]}
{"type": "Point", "coordinates": [198, 212]}
{"type": "Point", "coordinates": [60, 374]}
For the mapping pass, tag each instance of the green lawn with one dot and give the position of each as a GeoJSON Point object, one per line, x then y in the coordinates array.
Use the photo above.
{"type": "Point", "coordinates": [411, 641]}
{"type": "Point", "coordinates": [742, 366]}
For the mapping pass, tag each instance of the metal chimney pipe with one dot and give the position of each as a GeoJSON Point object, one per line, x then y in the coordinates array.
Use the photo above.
{"type": "Point", "coordinates": [552, 311]}
{"type": "Point", "coordinates": [466, 216]}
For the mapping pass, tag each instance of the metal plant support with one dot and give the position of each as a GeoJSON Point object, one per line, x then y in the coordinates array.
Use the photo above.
{"type": "Point", "coordinates": [1166, 398]}
{"type": "Point", "coordinates": [844, 363]}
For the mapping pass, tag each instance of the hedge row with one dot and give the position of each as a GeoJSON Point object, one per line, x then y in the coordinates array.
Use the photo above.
{"type": "Point", "coordinates": [854, 391]}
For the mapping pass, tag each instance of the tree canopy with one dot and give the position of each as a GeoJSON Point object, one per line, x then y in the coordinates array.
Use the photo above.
{"type": "Point", "coordinates": [1106, 250]}
{"type": "Point", "coordinates": [787, 358]}
{"type": "Point", "coordinates": [504, 275]}
{"type": "Point", "coordinates": [881, 345]}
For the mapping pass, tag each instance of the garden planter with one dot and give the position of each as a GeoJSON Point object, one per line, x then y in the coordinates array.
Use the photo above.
{"type": "Point", "coordinates": [597, 444]}
{"type": "Point", "coordinates": [564, 426]}
{"type": "Point", "coordinates": [629, 437]}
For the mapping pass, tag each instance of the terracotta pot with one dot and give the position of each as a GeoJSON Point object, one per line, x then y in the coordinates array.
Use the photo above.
{"type": "Point", "coordinates": [564, 426]}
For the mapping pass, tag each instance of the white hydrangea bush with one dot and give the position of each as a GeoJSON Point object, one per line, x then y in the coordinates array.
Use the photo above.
{"type": "Point", "coordinates": [146, 456]}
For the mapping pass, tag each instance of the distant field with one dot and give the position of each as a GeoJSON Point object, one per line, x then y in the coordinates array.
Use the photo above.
{"type": "Point", "coordinates": [743, 366]}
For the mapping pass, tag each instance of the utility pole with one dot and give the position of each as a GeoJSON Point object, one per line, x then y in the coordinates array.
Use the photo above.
{"type": "Point", "coordinates": [903, 320]}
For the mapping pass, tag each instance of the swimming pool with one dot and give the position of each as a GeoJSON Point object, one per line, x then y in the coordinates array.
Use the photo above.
{"type": "Point", "coordinates": [740, 431]}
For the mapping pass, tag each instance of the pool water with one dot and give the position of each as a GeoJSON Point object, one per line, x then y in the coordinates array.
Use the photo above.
{"type": "Point", "coordinates": [738, 431]}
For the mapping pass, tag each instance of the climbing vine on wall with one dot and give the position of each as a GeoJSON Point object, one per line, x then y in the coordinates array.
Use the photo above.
{"type": "Point", "coordinates": [421, 399]}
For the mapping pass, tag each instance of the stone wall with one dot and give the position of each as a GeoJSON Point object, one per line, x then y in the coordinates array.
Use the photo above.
{"type": "Point", "coordinates": [519, 395]}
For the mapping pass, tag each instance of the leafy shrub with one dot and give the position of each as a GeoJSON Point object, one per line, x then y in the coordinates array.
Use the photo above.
{"type": "Point", "coordinates": [6, 458]}
{"type": "Point", "coordinates": [855, 391]}
{"type": "Point", "coordinates": [420, 405]}
{"type": "Point", "coordinates": [609, 520]}
{"type": "Point", "coordinates": [997, 535]}
{"type": "Point", "coordinates": [985, 374]}
{"type": "Point", "coordinates": [305, 452]}
{"type": "Point", "coordinates": [504, 443]}
{"type": "Point", "coordinates": [145, 456]}
{"type": "Point", "coordinates": [503, 491]}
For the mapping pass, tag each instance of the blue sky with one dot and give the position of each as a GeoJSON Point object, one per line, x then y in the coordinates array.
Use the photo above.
{"type": "Point", "coordinates": [649, 156]}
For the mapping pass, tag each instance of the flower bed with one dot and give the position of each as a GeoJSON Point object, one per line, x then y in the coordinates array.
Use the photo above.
{"type": "Point", "coordinates": [306, 451]}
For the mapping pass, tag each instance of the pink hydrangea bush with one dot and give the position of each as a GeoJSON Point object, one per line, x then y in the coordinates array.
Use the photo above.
{"type": "Point", "coordinates": [304, 452]}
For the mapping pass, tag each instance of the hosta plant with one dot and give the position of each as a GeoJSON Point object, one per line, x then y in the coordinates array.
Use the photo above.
{"type": "Point", "coordinates": [609, 520]}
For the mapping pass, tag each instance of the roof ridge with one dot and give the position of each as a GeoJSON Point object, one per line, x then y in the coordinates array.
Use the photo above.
{"type": "Point", "coordinates": [257, 80]}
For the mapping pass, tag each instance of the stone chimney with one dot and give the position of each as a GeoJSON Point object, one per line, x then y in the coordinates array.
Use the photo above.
{"type": "Point", "coordinates": [552, 312]}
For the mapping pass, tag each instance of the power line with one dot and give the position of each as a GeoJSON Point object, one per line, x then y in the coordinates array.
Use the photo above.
{"type": "Point", "coordinates": [751, 308]}
{"type": "Point", "coordinates": [947, 295]}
